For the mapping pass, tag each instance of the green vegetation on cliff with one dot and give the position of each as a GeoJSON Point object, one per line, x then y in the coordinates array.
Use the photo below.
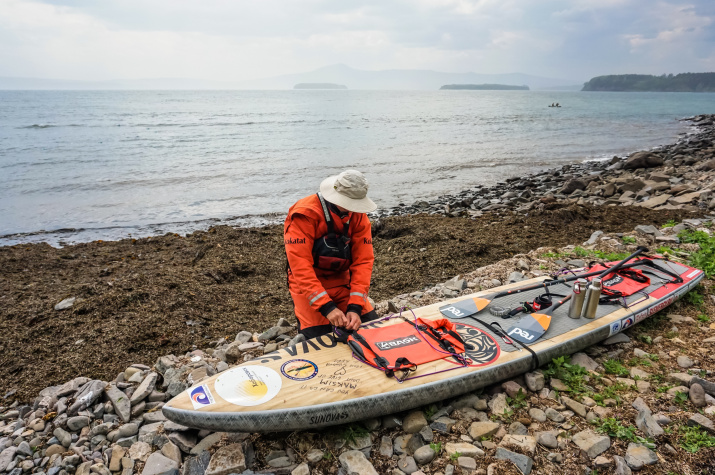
{"type": "Point", "coordinates": [485, 87]}
{"type": "Point", "coordinates": [685, 82]}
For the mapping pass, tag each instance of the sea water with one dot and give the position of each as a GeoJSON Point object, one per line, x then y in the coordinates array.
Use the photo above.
{"type": "Point", "coordinates": [84, 165]}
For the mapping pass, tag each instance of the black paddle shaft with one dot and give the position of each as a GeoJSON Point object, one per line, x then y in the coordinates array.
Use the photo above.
{"type": "Point", "coordinates": [640, 250]}
{"type": "Point", "coordinates": [620, 265]}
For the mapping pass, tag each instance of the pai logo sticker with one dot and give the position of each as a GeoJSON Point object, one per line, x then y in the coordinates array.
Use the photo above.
{"type": "Point", "coordinates": [201, 396]}
{"type": "Point", "coordinates": [299, 370]}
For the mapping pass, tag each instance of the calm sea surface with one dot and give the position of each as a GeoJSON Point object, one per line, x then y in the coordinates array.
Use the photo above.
{"type": "Point", "coordinates": [84, 165]}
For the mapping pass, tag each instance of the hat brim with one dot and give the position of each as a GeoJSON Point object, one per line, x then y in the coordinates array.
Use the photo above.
{"type": "Point", "coordinates": [364, 205]}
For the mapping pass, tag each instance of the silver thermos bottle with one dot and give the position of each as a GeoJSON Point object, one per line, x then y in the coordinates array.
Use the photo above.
{"type": "Point", "coordinates": [579, 293]}
{"type": "Point", "coordinates": [593, 294]}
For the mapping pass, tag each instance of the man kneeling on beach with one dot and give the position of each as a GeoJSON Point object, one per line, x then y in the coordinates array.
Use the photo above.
{"type": "Point", "coordinates": [328, 241]}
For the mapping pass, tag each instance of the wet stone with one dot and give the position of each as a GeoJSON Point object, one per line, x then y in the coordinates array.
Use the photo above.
{"type": "Point", "coordinates": [591, 443]}
{"type": "Point", "coordinates": [547, 439]}
{"type": "Point", "coordinates": [414, 422]}
{"type": "Point", "coordinates": [427, 434]}
{"type": "Point", "coordinates": [523, 463]}
{"type": "Point", "coordinates": [638, 456]}
{"type": "Point", "coordinates": [646, 423]}
{"type": "Point", "coordinates": [524, 443]}
{"type": "Point", "coordinates": [517, 428]}
{"type": "Point", "coordinates": [467, 463]}
{"type": "Point", "coordinates": [697, 395]}
{"type": "Point", "coordinates": [621, 467]}
{"type": "Point", "coordinates": [227, 460]}
{"type": "Point", "coordinates": [443, 425]}
{"type": "Point", "coordinates": [698, 420]}
{"type": "Point", "coordinates": [386, 447]}
{"type": "Point", "coordinates": [464, 448]}
{"type": "Point", "coordinates": [537, 414]}
{"type": "Point", "coordinates": [424, 455]}
{"type": "Point", "coordinates": [534, 381]}
{"type": "Point", "coordinates": [554, 415]}
{"type": "Point", "coordinates": [575, 406]}
{"type": "Point", "coordinates": [406, 464]}
{"type": "Point", "coordinates": [158, 463]}
{"type": "Point", "coordinates": [196, 465]}
{"type": "Point", "coordinates": [483, 429]}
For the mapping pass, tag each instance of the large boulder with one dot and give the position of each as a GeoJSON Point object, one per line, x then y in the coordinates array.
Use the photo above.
{"type": "Point", "coordinates": [709, 165]}
{"type": "Point", "coordinates": [643, 160]}
{"type": "Point", "coordinates": [573, 185]}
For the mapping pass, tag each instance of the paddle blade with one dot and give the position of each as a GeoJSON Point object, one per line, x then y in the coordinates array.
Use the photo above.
{"type": "Point", "coordinates": [530, 328]}
{"type": "Point", "coordinates": [465, 308]}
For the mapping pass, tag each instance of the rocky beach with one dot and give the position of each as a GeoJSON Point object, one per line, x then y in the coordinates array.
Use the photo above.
{"type": "Point", "coordinates": [97, 336]}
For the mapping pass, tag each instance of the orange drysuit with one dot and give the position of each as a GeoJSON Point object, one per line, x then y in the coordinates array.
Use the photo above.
{"type": "Point", "coordinates": [316, 292]}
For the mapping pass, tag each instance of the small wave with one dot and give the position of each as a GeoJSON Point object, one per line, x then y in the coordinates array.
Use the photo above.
{"type": "Point", "coordinates": [49, 126]}
{"type": "Point", "coordinates": [38, 126]}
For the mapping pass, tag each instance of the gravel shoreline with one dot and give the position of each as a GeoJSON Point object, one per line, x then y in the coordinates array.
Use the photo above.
{"type": "Point", "coordinates": [101, 294]}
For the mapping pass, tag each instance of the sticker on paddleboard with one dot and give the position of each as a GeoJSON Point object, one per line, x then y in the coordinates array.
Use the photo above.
{"type": "Point", "coordinates": [641, 316]}
{"type": "Point", "coordinates": [248, 385]}
{"type": "Point", "coordinates": [464, 308]}
{"type": "Point", "coordinates": [615, 328]}
{"type": "Point", "coordinates": [479, 346]}
{"type": "Point", "coordinates": [530, 328]}
{"type": "Point", "coordinates": [299, 370]}
{"type": "Point", "coordinates": [627, 322]}
{"type": "Point", "coordinates": [200, 396]}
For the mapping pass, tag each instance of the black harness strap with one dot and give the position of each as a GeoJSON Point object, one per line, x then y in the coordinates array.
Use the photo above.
{"type": "Point", "coordinates": [499, 331]}
{"type": "Point", "coordinates": [329, 219]}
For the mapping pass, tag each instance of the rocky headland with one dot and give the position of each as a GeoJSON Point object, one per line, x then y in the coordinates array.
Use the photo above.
{"type": "Point", "coordinates": [98, 336]}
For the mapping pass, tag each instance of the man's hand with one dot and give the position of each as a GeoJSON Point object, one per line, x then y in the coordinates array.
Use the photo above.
{"type": "Point", "coordinates": [337, 318]}
{"type": "Point", "coordinates": [353, 321]}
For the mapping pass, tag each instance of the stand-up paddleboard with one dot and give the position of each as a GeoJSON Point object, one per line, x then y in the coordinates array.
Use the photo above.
{"type": "Point", "coordinates": [319, 383]}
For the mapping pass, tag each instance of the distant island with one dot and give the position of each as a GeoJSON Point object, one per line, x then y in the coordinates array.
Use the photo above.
{"type": "Point", "coordinates": [485, 87]}
{"type": "Point", "coordinates": [319, 85]}
{"type": "Point", "coordinates": [685, 82]}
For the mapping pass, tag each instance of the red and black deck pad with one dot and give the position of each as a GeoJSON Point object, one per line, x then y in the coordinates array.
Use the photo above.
{"type": "Point", "coordinates": [530, 328]}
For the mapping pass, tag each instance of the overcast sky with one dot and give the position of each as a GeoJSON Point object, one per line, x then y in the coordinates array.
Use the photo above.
{"type": "Point", "coordinates": [239, 39]}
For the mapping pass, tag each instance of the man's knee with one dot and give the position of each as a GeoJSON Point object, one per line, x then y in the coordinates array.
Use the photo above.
{"type": "Point", "coordinates": [314, 331]}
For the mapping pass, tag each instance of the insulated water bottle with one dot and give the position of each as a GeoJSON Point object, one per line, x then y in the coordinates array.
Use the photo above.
{"type": "Point", "coordinates": [579, 293]}
{"type": "Point", "coordinates": [590, 303]}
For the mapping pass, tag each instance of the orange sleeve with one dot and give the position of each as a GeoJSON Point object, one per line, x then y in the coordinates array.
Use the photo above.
{"type": "Point", "coordinates": [363, 260]}
{"type": "Point", "coordinates": [298, 235]}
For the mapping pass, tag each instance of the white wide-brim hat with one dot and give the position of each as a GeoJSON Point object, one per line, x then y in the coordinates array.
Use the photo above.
{"type": "Point", "coordinates": [348, 190]}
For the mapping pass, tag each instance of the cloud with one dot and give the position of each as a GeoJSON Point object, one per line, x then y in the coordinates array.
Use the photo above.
{"type": "Point", "coordinates": [242, 39]}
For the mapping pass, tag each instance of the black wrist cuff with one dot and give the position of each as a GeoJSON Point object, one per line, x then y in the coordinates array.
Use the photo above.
{"type": "Point", "coordinates": [325, 309]}
{"type": "Point", "coordinates": [353, 307]}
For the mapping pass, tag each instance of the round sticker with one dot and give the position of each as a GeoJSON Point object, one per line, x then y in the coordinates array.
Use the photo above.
{"type": "Point", "coordinates": [248, 385]}
{"type": "Point", "coordinates": [299, 370]}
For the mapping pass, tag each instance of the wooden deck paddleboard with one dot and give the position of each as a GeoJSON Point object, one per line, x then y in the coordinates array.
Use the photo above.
{"type": "Point", "coordinates": [318, 383]}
